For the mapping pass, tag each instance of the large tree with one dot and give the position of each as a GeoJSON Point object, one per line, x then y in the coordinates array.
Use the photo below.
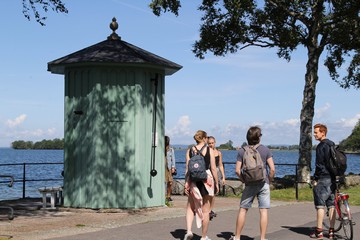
{"type": "Point", "coordinates": [31, 8]}
{"type": "Point", "coordinates": [330, 26]}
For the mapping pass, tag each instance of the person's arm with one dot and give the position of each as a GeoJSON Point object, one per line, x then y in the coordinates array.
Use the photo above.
{"type": "Point", "coordinates": [213, 169]}
{"type": "Point", "coordinates": [238, 164]}
{"type": "Point", "coordinates": [173, 161]}
{"type": "Point", "coordinates": [318, 157]}
{"type": "Point", "coordinates": [238, 168]}
{"type": "Point", "coordinates": [187, 158]}
{"type": "Point", "coordinates": [221, 167]}
{"type": "Point", "coordinates": [187, 182]}
{"type": "Point", "coordinates": [270, 163]}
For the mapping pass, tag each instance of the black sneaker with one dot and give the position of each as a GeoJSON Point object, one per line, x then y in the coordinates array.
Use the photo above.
{"type": "Point", "coordinates": [212, 215]}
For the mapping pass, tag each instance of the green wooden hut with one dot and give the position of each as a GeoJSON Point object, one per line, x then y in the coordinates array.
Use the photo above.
{"type": "Point", "coordinates": [114, 125]}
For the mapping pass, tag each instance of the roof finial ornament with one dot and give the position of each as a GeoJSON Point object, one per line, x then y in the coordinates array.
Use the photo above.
{"type": "Point", "coordinates": [114, 26]}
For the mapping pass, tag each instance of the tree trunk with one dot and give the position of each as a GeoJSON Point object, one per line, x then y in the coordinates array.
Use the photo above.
{"type": "Point", "coordinates": [307, 115]}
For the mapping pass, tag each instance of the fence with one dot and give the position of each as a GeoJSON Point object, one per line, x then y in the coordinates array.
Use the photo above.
{"type": "Point", "coordinates": [24, 179]}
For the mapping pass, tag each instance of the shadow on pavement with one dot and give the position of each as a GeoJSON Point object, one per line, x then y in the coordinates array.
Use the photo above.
{"type": "Point", "coordinates": [299, 230]}
{"type": "Point", "coordinates": [227, 235]}
{"type": "Point", "coordinates": [242, 237]}
{"type": "Point", "coordinates": [178, 233]}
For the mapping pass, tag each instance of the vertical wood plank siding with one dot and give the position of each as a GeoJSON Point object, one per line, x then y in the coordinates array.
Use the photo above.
{"type": "Point", "coordinates": [108, 147]}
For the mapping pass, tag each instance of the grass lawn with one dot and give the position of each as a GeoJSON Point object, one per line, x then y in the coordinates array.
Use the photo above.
{"type": "Point", "coordinates": [306, 194]}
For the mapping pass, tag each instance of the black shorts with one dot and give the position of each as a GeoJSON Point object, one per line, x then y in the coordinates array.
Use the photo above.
{"type": "Point", "coordinates": [201, 186]}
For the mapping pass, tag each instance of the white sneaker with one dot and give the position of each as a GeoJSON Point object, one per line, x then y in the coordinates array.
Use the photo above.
{"type": "Point", "coordinates": [206, 238]}
{"type": "Point", "coordinates": [188, 236]}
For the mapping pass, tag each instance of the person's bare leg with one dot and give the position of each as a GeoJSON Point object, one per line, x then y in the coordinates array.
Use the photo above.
{"type": "Point", "coordinates": [332, 217]}
{"type": "Point", "coordinates": [169, 189]}
{"type": "Point", "coordinates": [189, 215]}
{"type": "Point", "coordinates": [320, 212]}
{"type": "Point", "coordinates": [206, 211]}
{"type": "Point", "coordinates": [263, 222]}
{"type": "Point", "coordinates": [212, 202]}
{"type": "Point", "coordinates": [240, 222]}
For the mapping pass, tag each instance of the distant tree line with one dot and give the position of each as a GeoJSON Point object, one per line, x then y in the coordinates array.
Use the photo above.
{"type": "Point", "coordinates": [284, 147]}
{"type": "Point", "coordinates": [228, 145]}
{"type": "Point", "coordinates": [44, 144]}
{"type": "Point", "coordinates": [352, 142]}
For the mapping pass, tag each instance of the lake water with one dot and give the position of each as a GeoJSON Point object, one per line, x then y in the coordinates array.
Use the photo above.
{"type": "Point", "coordinates": [53, 171]}
{"type": "Point", "coordinates": [33, 172]}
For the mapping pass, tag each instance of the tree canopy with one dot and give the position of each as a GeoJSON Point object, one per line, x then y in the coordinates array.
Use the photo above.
{"type": "Point", "coordinates": [352, 143]}
{"type": "Point", "coordinates": [31, 9]}
{"type": "Point", "coordinates": [330, 26]}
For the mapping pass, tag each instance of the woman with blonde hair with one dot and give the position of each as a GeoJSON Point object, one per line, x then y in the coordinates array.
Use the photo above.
{"type": "Point", "coordinates": [200, 193]}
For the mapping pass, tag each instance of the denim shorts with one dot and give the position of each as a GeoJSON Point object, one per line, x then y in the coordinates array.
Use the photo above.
{"type": "Point", "coordinates": [261, 191]}
{"type": "Point", "coordinates": [324, 193]}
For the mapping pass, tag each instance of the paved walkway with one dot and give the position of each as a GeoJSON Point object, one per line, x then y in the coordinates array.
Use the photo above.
{"type": "Point", "coordinates": [286, 221]}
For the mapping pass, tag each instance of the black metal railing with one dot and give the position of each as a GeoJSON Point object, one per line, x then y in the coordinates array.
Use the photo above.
{"type": "Point", "coordinates": [24, 179]}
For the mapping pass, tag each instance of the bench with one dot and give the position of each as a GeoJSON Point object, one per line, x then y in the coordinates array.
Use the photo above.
{"type": "Point", "coordinates": [55, 196]}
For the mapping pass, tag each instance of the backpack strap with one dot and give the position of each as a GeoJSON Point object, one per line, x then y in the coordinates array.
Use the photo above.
{"type": "Point", "coordinates": [249, 146]}
{"type": "Point", "coordinates": [200, 151]}
{"type": "Point", "coordinates": [256, 146]}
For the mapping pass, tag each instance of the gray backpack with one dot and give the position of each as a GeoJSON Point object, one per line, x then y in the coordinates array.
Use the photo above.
{"type": "Point", "coordinates": [252, 169]}
{"type": "Point", "coordinates": [196, 165]}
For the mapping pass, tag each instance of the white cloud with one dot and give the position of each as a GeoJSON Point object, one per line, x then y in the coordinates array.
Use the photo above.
{"type": "Point", "coordinates": [37, 132]}
{"type": "Point", "coordinates": [292, 122]}
{"type": "Point", "coordinates": [321, 111]}
{"type": "Point", "coordinates": [231, 129]}
{"type": "Point", "coordinates": [17, 121]}
{"type": "Point", "coordinates": [51, 131]}
{"type": "Point", "coordinates": [182, 128]}
{"type": "Point", "coordinates": [274, 132]}
{"type": "Point", "coordinates": [351, 122]}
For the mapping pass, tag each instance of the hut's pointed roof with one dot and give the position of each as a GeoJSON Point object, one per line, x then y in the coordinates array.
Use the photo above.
{"type": "Point", "coordinates": [113, 51]}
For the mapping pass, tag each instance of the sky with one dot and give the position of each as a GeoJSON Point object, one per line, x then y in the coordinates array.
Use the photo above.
{"type": "Point", "coordinates": [223, 96]}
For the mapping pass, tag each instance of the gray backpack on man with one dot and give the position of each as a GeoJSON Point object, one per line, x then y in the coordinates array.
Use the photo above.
{"type": "Point", "coordinates": [252, 169]}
